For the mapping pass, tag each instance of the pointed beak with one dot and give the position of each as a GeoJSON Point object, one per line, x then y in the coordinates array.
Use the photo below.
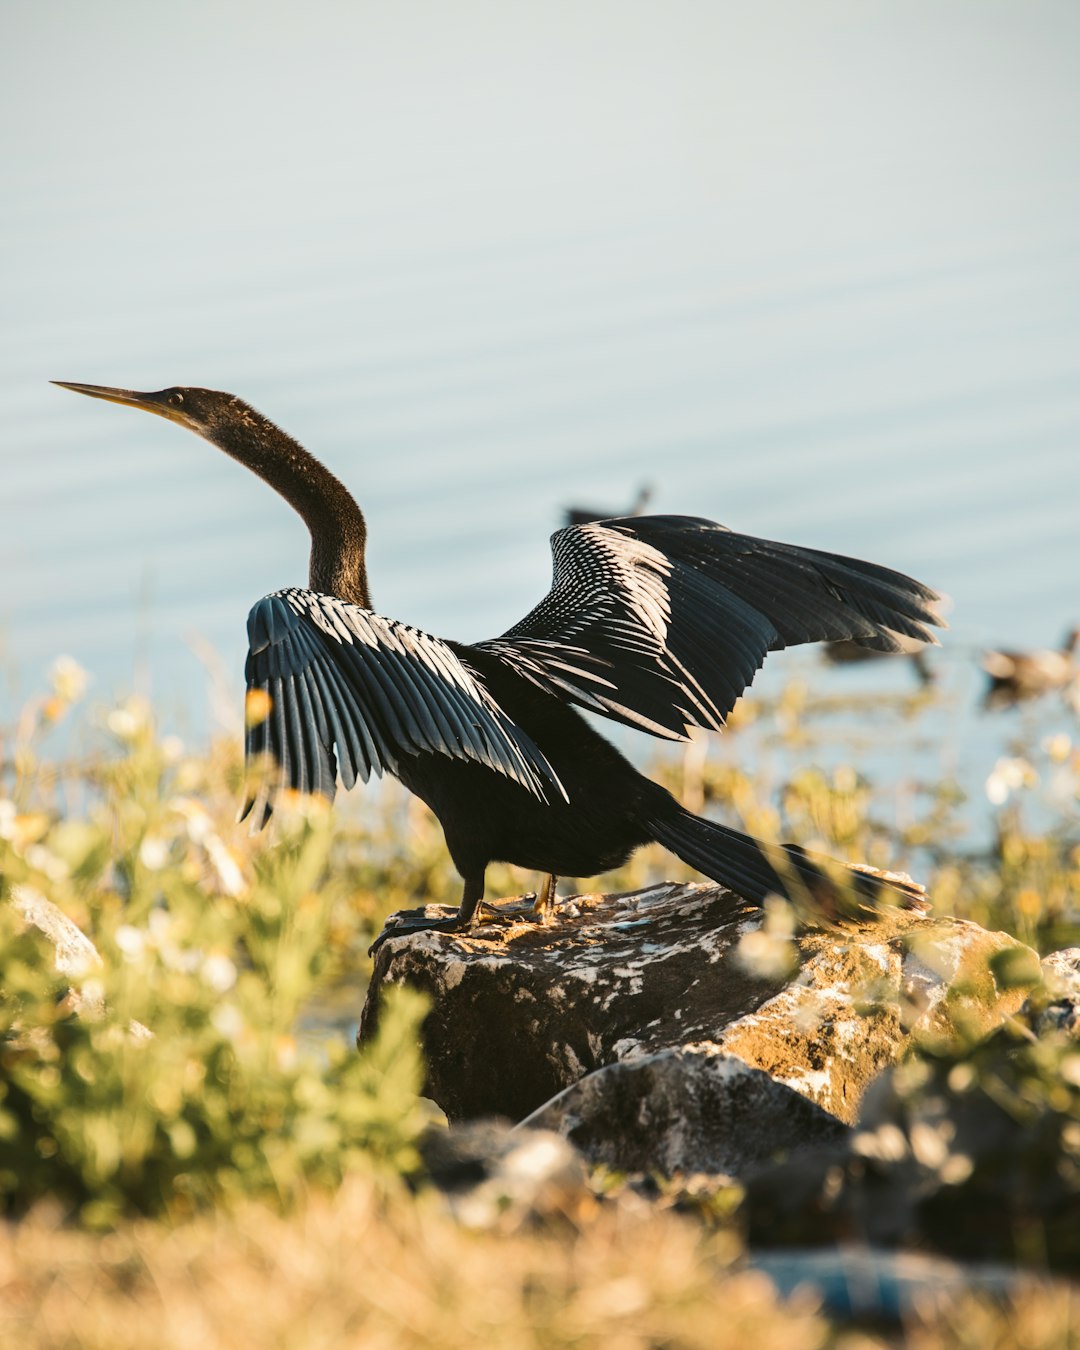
{"type": "Point", "coordinates": [157, 402]}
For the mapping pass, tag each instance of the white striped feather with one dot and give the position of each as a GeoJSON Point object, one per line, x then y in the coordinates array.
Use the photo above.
{"type": "Point", "coordinates": [348, 684]}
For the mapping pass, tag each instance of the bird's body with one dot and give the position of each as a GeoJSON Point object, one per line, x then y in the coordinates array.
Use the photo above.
{"type": "Point", "coordinates": [486, 819]}
{"type": "Point", "coordinates": [658, 622]}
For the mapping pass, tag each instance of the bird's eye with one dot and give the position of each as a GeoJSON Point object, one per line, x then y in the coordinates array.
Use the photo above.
{"type": "Point", "coordinates": [176, 399]}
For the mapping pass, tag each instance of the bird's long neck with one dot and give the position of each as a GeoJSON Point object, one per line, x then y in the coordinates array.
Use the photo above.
{"type": "Point", "coordinates": [335, 522]}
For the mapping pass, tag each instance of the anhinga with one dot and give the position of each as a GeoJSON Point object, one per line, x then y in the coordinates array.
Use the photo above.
{"type": "Point", "coordinates": [658, 622]}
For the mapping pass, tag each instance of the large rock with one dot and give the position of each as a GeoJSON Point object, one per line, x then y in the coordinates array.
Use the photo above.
{"type": "Point", "coordinates": [522, 1012]}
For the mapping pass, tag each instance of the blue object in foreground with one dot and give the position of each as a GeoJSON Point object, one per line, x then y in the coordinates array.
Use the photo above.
{"type": "Point", "coordinates": [868, 1284]}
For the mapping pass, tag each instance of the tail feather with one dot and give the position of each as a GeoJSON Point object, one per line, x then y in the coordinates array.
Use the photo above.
{"type": "Point", "coordinates": [754, 869]}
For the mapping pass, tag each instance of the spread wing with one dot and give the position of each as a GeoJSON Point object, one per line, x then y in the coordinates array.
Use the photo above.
{"type": "Point", "coordinates": [332, 686]}
{"type": "Point", "coordinates": [662, 622]}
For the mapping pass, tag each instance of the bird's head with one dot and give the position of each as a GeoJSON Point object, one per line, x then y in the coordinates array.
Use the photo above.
{"type": "Point", "coordinates": [207, 412]}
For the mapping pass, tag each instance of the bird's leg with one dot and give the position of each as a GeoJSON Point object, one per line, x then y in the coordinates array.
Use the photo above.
{"type": "Point", "coordinates": [418, 921]}
{"type": "Point", "coordinates": [533, 906]}
{"type": "Point", "coordinates": [540, 907]}
{"type": "Point", "coordinates": [545, 903]}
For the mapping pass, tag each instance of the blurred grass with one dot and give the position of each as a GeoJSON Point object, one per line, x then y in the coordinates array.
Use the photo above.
{"type": "Point", "coordinates": [267, 1155]}
{"type": "Point", "coordinates": [389, 1272]}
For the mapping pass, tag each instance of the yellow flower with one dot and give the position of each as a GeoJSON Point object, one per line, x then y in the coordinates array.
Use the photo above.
{"type": "Point", "coordinates": [257, 705]}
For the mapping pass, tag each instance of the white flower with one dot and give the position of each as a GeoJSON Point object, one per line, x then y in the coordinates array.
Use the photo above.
{"type": "Point", "coordinates": [1058, 747]}
{"type": "Point", "coordinates": [196, 817]}
{"type": "Point", "coordinates": [46, 862]}
{"type": "Point", "coordinates": [286, 1054]}
{"type": "Point", "coordinates": [173, 956]}
{"type": "Point", "coordinates": [219, 972]}
{"type": "Point", "coordinates": [227, 1021]}
{"type": "Point", "coordinates": [131, 941]}
{"type": "Point", "coordinates": [8, 812]}
{"type": "Point", "coordinates": [159, 926]}
{"type": "Point", "coordinates": [131, 718]}
{"type": "Point", "coordinates": [1006, 777]}
{"type": "Point", "coordinates": [172, 747]}
{"type": "Point", "coordinates": [68, 679]}
{"type": "Point", "coordinates": [154, 852]}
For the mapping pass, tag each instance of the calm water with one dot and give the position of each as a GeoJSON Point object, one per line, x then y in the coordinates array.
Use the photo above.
{"type": "Point", "coordinates": [811, 271]}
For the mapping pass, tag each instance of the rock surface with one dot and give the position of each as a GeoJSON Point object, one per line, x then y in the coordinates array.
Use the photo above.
{"type": "Point", "coordinates": [76, 957]}
{"type": "Point", "coordinates": [1056, 1007]}
{"type": "Point", "coordinates": [685, 1111]}
{"type": "Point", "coordinates": [971, 1149]}
{"type": "Point", "coordinates": [522, 1012]}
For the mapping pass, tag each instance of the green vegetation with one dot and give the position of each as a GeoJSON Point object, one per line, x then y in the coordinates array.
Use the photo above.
{"type": "Point", "coordinates": [190, 1155]}
{"type": "Point", "coordinates": [175, 1076]}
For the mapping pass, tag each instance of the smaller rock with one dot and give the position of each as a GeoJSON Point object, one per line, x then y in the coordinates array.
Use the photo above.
{"type": "Point", "coordinates": [494, 1174]}
{"type": "Point", "coordinates": [685, 1111]}
{"type": "Point", "coordinates": [1056, 1007]}
{"type": "Point", "coordinates": [971, 1151]}
{"type": "Point", "coordinates": [76, 956]}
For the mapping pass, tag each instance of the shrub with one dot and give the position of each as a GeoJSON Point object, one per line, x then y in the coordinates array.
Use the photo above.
{"type": "Point", "coordinates": [177, 1074]}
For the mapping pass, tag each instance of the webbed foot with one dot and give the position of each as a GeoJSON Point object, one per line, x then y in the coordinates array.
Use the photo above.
{"type": "Point", "coordinates": [515, 909]}
{"type": "Point", "coordinates": [522, 909]}
{"type": "Point", "coordinates": [418, 921]}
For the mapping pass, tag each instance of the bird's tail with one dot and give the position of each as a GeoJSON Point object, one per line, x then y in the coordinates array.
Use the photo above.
{"type": "Point", "coordinates": [754, 869]}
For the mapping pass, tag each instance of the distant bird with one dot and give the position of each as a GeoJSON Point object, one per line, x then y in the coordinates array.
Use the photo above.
{"type": "Point", "coordinates": [847, 651]}
{"type": "Point", "coordinates": [585, 515]}
{"type": "Point", "coordinates": [1017, 675]}
{"type": "Point", "coordinates": [658, 622]}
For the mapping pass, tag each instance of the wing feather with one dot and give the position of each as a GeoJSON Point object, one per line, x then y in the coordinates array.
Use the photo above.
{"type": "Point", "coordinates": [663, 621]}
{"type": "Point", "coordinates": [350, 689]}
{"type": "Point", "coordinates": [338, 730]}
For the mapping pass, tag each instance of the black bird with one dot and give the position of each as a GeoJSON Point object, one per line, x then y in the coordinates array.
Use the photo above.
{"type": "Point", "coordinates": [584, 515]}
{"type": "Point", "coordinates": [658, 622]}
{"type": "Point", "coordinates": [846, 652]}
